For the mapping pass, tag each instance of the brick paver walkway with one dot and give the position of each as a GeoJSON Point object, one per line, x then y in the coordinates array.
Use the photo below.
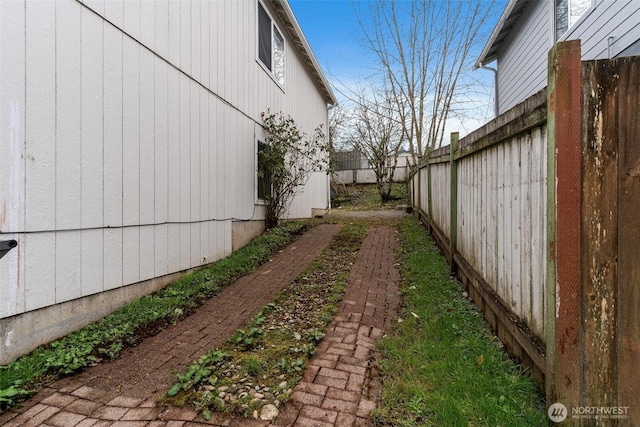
{"type": "Point", "coordinates": [337, 388]}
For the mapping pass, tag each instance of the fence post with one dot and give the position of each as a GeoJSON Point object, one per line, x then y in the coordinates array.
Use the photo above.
{"type": "Point", "coordinates": [563, 347]}
{"type": "Point", "coordinates": [453, 213]}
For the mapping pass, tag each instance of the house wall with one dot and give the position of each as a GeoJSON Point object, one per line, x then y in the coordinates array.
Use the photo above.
{"type": "Point", "coordinates": [522, 61]}
{"type": "Point", "coordinates": [127, 132]}
{"type": "Point", "coordinates": [609, 18]}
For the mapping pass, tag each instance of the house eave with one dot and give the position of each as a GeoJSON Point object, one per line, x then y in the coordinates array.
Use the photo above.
{"type": "Point", "coordinates": [509, 17]}
{"type": "Point", "coordinates": [286, 15]}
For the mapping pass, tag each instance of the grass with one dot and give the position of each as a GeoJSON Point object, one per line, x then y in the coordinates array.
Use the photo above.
{"type": "Point", "coordinates": [366, 197]}
{"type": "Point", "coordinates": [441, 364]}
{"type": "Point", "coordinates": [136, 320]}
{"type": "Point", "coordinates": [261, 363]}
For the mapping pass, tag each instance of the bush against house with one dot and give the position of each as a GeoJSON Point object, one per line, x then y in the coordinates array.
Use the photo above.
{"type": "Point", "coordinates": [287, 161]}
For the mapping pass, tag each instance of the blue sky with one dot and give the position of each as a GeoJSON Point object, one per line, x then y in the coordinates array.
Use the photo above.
{"type": "Point", "coordinates": [332, 30]}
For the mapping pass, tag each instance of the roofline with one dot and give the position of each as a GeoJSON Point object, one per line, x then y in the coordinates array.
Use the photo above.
{"type": "Point", "coordinates": [482, 59]}
{"type": "Point", "coordinates": [286, 14]}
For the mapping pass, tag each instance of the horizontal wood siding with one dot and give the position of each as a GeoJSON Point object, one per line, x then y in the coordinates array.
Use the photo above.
{"type": "Point", "coordinates": [522, 61]}
{"type": "Point", "coordinates": [128, 134]}
{"type": "Point", "coordinates": [618, 19]}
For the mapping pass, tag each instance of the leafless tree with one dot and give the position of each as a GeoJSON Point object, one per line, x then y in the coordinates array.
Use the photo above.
{"type": "Point", "coordinates": [423, 48]}
{"type": "Point", "coordinates": [377, 132]}
{"type": "Point", "coordinates": [337, 121]}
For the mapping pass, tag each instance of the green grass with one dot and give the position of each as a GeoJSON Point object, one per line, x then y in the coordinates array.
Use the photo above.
{"type": "Point", "coordinates": [441, 365]}
{"type": "Point", "coordinates": [136, 320]}
{"type": "Point", "coordinates": [366, 197]}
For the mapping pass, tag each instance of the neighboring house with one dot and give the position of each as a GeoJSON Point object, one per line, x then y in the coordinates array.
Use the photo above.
{"type": "Point", "coordinates": [129, 136]}
{"type": "Point", "coordinates": [527, 30]}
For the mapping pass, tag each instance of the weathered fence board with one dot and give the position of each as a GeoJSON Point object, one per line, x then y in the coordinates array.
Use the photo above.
{"type": "Point", "coordinates": [610, 258]}
{"type": "Point", "coordinates": [628, 315]}
{"type": "Point", "coordinates": [599, 230]}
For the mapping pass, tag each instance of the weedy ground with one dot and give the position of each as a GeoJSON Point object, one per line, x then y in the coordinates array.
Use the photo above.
{"type": "Point", "coordinates": [366, 197]}
{"type": "Point", "coordinates": [262, 362]}
{"type": "Point", "coordinates": [441, 364]}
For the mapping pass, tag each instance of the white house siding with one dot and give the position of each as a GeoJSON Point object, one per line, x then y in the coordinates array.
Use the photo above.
{"type": "Point", "coordinates": [127, 132]}
{"type": "Point", "coordinates": [619, 19]}
{"type": "Point", "coordinates": [522, 60]}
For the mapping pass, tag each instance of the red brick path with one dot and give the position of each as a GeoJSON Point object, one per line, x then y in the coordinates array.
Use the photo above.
{"type": "Point", "coordinates": [336, 389]}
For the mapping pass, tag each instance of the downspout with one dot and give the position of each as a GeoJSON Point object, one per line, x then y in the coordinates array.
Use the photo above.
{"type": "Point", "coordinates": [496, 108]}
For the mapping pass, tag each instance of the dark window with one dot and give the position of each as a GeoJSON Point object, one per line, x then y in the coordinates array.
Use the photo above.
{"type": "Point", "coordinates": [568, 12]}
{"type": "Point", "coordinates": [270, 46]}
{"type": "Point", "coordinates": [562, 17]}
{"type": "Point", "coordinates": [264, 183]}
{"type": "Point", "coordinates": [264, 37]}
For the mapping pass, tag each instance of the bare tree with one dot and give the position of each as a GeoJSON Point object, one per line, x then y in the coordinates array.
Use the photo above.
{"type": "Point", "coordinates": [423, 47]}
{"type": "Point", "coordinates": [378, 134]}
{"type": "Point", "coordinates": [337, 127]}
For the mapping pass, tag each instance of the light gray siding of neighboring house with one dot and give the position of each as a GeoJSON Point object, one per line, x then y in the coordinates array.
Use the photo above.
{"type": "Point", "coordinates": [522, 61]}
{"type": "Point", "coordinates": [127, 149]}
{"type": "Point", "coordinates": [619, 19]}
{"type": "Point", "coordinates": [522, 58]}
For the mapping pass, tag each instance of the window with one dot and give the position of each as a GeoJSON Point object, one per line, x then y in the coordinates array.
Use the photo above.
{"type": "Point", "coordinates": [270, 45]}
{"type": "Point", "coordinates": [263, 181]}
{"type": "Point", "coordinates": [568, 12]}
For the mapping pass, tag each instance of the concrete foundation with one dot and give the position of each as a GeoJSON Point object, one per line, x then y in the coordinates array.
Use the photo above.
{"type": "Point", "coordinates": [242, 232]}
{"type": "Point", "coordinates": [23, 333]}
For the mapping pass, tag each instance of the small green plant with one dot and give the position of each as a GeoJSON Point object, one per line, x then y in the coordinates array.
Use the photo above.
{"type": "Point", "coordinates": [253, 365]}
{"type": "Point", "coordinates": [8, 394]}
{"type": "Point", "coordinates": [198, 371]}
{"type": "Point", "coordinates": [316, 335]}
{"type": "Point", "coordinates": [247, 338]}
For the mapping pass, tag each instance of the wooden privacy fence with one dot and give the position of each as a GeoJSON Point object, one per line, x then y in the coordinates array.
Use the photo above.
{"type": "Point", "coordinates": [537, 214]}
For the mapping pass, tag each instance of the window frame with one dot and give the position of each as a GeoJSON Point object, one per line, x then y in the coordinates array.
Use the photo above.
{"type": "Point", "coordinates": [560, 36]}
{"type": "Point", "coordinates": [277, 75]}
